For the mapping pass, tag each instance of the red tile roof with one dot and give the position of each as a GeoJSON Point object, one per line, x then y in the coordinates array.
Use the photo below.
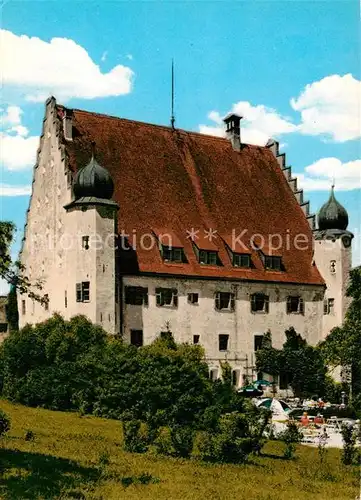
{"type": "Point", "coordinates": [178, 180]}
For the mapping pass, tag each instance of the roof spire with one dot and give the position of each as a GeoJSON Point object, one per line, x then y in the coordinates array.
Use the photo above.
{"type": "Point", "coordinates": [93, 149]}
{"type": "Point", "coordinates": [172, 118]}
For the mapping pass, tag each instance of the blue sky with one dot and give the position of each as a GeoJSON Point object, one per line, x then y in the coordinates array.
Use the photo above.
{"type": "Point", "coordinates": [291, 68]}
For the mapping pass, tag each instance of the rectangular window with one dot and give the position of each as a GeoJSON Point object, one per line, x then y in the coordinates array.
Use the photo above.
{"type": "Point", "coordinates": [235, 377]}
{"type": "Point", "coordinates": [208, 257]}
{"type": "Point", "coordinates": [284, 380]}
{"type": "Point", "coordinates": [224, 301]}
{"type": "Point", "coordinates": [223, 342]}
{"type": "Point", "coordinates": [136, 295]}
{"type": "Point", "coordinates": [85, 242]}
{"type": "Point", "coordinates": [23, 307]}
{"type": "Point", "coordinates": [3, 327]}
{"type": "Point", "coordinates": [196, 339]}
{"type": "Point", "coordinates": [241, 260]}
{"type": "Point", "coordinates": [213, 374]}
{"type": "Point", "coordinates": [259, 303]}
{"type": "Point", "coordinates": [193, 298]}
{"type": "Point", "coordinates": [166, 297]}
{"type": "Point", "coordinates": [83, 291]}
{"type": "Point", "coordinates": [66, 299]}
{"type": "Point", "coordinates": [328, 306]}
{"type": "Point", "coordinates": [136, 337]}
{"type": "Point", "coordinates": [272, 262]}
{"type": "Point", "coordinates": [295, 305]}
{"type": "Point", "coordinates": [46, 303]}
{"type": "Point", "coordinates": [258, 341]}
{"type": "Point", "coordinates": [172, 254]}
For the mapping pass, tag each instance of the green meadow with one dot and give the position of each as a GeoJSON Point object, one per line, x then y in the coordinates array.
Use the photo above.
{"type": "Point", "coordinates": [73, 456]}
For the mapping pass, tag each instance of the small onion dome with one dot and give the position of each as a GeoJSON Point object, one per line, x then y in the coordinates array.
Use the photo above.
{"type": "Point", "coordinates": [93, 181]}
{"type": "Point", "coordinates": [332, 214]}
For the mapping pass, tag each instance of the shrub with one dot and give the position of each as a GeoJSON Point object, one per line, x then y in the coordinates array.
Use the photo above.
{"type": "Point", "coordinates": [4, 423]}
{"type": "Point", "coordinates": [29, 435]}
{"type": "Point", "coordinates": [290, 437]}
{"type": "Point", "coordinates": [163, 442]}
{"type": "Point", "coordinates": [135, 436]}
{"type": "Point", "coordinates": [182, 440]}
{"type": "Point", "coordinates": [349, 437]}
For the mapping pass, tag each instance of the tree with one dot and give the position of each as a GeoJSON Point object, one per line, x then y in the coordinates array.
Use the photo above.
{"type": "Point", "coordinates": [14, 272]}
{"type": "Point", "coordinates": [342, 346]}
{"type": "Point", "coordinates": [301, 364]}
{"type": "Point", "coordinates": [12, 313]}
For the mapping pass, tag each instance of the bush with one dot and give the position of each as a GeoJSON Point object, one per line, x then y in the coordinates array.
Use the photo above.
{"type": "Point", "coordinates": [182, 440]}
{"type": "Point", "coordinates": [29, 435]}
{"type": "Point", "coordinates": [290, 437]}
{"type": "Point", "coordinates": [135, 436]}
{"type": "Point", "coordinates": [163, 442]}
{"type": "Point", "coordinates": [4, 423]}
{"type": "Point", "coordinates": [349, 437]}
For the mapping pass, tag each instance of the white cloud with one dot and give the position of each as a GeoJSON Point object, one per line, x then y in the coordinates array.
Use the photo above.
{"type": "Point", "coordinates": [60, 67]}
{"type": "Point", "coordinates": [320, 175]}
{"type": "Point", "coordinates": [259, 123]}
{"type": "Point", "coordinates": [331, 106]}
{"type": "Point", "coordinates": [9, 190]}
{"type": "Point", "coordinates": [17, 150]}
{"type": "Point", "coordinates": [12, 115]}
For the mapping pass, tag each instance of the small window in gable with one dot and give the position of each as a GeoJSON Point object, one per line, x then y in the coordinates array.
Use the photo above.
{"type": "Point", "coordinates": [166, 297]}
{"type": "Point", "coordinates": [241, 260]}
{"type": "Point", "coordinates": [295, 305]}
{"type": "Point", "coordinates": [196, 339]}
{"type": "Point", "coordinates": [85, 242]}
{"type": "Point", "coordinates": [332, 266]}
{"type": "Point", "coordinates": [259, 303]}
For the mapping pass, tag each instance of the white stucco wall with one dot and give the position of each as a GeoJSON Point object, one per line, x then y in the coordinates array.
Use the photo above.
{"type": "Point", "coordinates": [241, 325]}
{"type": "Point", "coordinates": [325, 252]}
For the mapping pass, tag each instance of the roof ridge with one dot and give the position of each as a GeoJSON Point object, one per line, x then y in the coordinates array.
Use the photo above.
{"type": "Point", "coordinates": [165, 127]}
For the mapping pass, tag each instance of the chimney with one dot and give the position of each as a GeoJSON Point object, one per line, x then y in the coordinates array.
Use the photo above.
{"type": "Point", "coordinates": [233, 130]}
{"type": "Point", "coordinates": [68, 124]}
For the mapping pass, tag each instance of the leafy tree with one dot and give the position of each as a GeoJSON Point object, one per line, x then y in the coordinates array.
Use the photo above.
{"type": "Point", "coordinates": [12, 313]}
{"type": "Point", "coordinates": [342, 346]}
{"type": "Point", "coordinates": [300, 363]}
{"type": "Point", "coordinates": [14, 272]}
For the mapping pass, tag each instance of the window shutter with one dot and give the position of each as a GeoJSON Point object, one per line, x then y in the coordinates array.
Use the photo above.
{"type": "Point", "coordinates": [301, 306]}
{"type": "Point", "coordinates": [158, 296]}
{"type": "Point", "coordinates": [266, 303]}
{"type": "Point", "coordinates": [175, 297]}
{"type": "Point", "coordinates": [145, 296]}
{"type": "Point", "coordinates": [288, 305]}
{"type": "Point", "coordinates": [325, 307]}
{"type": "Point", "coordinates": [218, 300]}
{"type": "Point", "coordinates": [253, 303]}
{"type": "Point", "coordinates": [232, 302]}
{"type": "Point", "coordinates": [78, 292]}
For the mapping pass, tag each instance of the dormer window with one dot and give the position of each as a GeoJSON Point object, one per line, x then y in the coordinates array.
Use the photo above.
{"type": "Point", "coordinates": [272, 262]}
{"type": "Point", "coordinates": [208, 257]}
{"type": "Point", "coordinates": [172, 254]}
{"type": "Point", "coordinates": [295, 305]}
{"type": "Point", "coordinates": [241, 260]}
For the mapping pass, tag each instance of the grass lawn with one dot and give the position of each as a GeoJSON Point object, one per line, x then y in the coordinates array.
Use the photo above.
{"type": "Point", "coordinates": [68, 459]}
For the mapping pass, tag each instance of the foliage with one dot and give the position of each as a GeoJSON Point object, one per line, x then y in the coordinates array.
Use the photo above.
{"type": "Point", "coordinates": [12, 313]}
{"type": "Point", "coordinates": [135, 436]}
{"type": "Point", "coordinates": [14, 272]}
{"type": "Point", "coordinates": [343, 345]}
{"type": "Point", "coordinates": [29, 435]}
{"type": "Point", "coordinates": [349, 437]}
{"type": "Point", "coordinates": [4, 423]}
{"type": "Point", "coordinates": [291, 436]}
{"type": "Point", "coordinates": [302, 364]}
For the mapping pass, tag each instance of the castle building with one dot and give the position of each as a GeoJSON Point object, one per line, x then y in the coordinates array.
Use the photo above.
{"type": "Point", "coordinates": [146, 228]}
